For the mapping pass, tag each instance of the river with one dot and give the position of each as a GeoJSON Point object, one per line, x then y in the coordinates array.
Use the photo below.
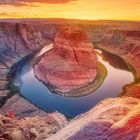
{"type": "Point", "coordinates": [37, 93]}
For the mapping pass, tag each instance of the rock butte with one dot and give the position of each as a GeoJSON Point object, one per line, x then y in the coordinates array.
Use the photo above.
{"type": "Point", "coordinates": [117, 118]}
{"type": "Point", "coordinates": [71, 64]}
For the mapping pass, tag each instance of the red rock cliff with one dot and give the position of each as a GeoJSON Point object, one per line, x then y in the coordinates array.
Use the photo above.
{"type": "Point", "coordinates": [72, 62]}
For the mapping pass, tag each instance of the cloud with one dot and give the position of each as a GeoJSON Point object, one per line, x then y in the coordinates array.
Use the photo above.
{"type": "Point", "coordinates": [29, 2]}
{"type": "Point", "coordinates": [5, 14]}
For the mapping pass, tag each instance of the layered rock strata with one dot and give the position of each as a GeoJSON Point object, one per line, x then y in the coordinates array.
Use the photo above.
{"type": "Point", "coordinates": [70, 65]}
{"type": "Point", "coordinates": [111, 119]}
{"type": "Point", "coordinates": [125, 44]}
{"type": "Point", "coordinates": [16, 42]}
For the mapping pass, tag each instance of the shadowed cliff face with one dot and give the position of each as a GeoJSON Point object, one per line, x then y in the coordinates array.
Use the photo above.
{"type": "Point", "coordinates": [67, 66]}
{"type": "Point", "coordinates": [17, 41]}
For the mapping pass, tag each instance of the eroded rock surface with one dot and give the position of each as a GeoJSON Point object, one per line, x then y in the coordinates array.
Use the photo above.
{"type": "Point", "coordinates": [21, 108]}
{"type": "Point", "coordinates": [72, 63]}
{"type": "Point", "coordinates": [31, 128]}
{"type": "Point", "coordinates": [111, 119]}
{"type": "Point", "coordinates": [21, 120]}
{"type": "Point", "coordinates": [18, 40]}
{"type": "Point", "coordinates": [125, 44]}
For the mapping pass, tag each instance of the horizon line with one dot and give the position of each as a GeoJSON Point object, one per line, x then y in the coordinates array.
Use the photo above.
{"type": "Point", "coordinates": [69, 19]}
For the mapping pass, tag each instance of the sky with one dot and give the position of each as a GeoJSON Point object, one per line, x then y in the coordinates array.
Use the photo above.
{"type": "Point", "coordinates": [73, 9]}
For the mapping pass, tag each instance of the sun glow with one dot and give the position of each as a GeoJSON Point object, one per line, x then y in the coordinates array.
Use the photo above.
{"type": "Point", "coordinates": [78, 9]}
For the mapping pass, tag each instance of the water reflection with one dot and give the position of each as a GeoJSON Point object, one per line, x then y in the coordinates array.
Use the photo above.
{"type": "Point", "coordinates": [38, 93]}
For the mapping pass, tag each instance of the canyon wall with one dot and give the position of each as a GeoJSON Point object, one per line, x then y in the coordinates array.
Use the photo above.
{"type": "Point", "coordinates": [125, 44]}
{"type": "Point", "coordinates": [16, 42]}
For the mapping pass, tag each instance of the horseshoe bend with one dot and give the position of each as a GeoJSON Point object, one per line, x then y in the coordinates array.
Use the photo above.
{"type": "Point", "coordinates": [71, 65]}
{"type": "Point", "coordinates": [74, 81]}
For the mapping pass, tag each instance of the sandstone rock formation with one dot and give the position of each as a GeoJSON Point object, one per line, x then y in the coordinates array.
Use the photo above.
{"type": "Point", "coordinates": [111, 119]}
{"type": "Point", "coordinates": [31, 128]}
{"type": "Point", "coordinates": [71, 65]}
{"type": "Point", "coordinates": [21, 108]}
{"type": "Point", "coordinates": [16, 42]}
{"type": "Point", "coordinates": [125, 44]}
{"type": "Point", "coordinates": [117, 118]}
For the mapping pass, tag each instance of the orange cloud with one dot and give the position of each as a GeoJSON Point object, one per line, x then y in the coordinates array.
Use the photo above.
{"type": "Point", "coordinates": [28, 2]}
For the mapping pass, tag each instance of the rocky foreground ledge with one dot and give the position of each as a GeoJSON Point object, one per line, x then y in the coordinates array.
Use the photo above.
{"type": "Point", "coordinates": [71, 68]}
{"type": "Point", "coordinates": [111, 119]}
{"type": "Point", "coordinates": [31, 128]}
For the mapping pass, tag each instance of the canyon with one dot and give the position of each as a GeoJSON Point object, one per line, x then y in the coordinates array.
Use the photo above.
{"type": "Point", "coordinates": [113, 118]}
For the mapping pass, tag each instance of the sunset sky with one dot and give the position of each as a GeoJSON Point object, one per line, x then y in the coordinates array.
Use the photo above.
{"type": "Point", "coordinates": [76, 9]}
